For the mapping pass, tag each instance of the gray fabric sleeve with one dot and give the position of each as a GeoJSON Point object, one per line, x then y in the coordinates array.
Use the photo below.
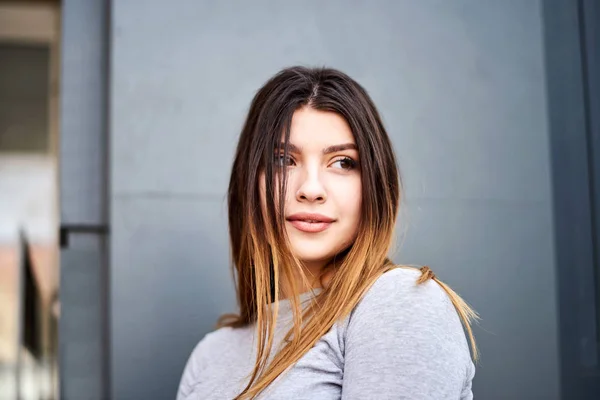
{"type": "Point", "coordinates": [405, 341]}
{"type": "Point", "coordinates": [190, 376]}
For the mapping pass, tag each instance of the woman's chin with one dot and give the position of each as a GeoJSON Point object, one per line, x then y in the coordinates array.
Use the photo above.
{"type": "Point", "coordinates": [315, 251]}
{"type": "Point", "coordinates": [313, 257]}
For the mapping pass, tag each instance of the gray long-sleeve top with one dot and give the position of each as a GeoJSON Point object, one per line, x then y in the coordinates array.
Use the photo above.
{"type": "Point", "coordinates": [401, 341]}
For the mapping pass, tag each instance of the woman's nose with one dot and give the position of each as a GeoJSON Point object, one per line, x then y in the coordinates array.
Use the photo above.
{"type": "Point", "coordinates": [311, 188]}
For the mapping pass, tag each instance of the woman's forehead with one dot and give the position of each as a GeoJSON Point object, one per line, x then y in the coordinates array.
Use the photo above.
{"type": "Point", "coordinates": [314, 129]}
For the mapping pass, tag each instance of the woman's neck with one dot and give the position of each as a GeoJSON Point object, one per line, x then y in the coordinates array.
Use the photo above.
{"type": "Point", "coordinates": [315, 278]}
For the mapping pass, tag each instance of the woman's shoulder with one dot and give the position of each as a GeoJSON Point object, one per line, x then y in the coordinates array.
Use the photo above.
{"type": "Point", "coordinates": [406, 322]}
{"type": "Point", "coordinates": [401, 296]}
{"type": "Point", "coordinates": [212, 350]}
{"type": "Point", "coordinates": [214, 343]}
{"type": "Point", "coordinates": [405, 285]}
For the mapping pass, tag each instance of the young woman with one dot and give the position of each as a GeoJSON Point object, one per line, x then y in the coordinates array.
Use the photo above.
{"type": "Point", "coordinates": [324, 314]}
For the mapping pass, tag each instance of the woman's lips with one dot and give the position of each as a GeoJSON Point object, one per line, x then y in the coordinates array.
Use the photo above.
{"type": "Point", "coordinates": [311, 227]}
{"type": "Point", "coordinates": [310, 222]}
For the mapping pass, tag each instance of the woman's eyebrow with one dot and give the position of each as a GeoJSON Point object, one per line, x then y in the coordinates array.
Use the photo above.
{"type": "Point", "coordinates": [340, 147]}
{"type": "Point", "coordinates": [292, 148]}
{"type": "Point", "coordinates": [331, 149]}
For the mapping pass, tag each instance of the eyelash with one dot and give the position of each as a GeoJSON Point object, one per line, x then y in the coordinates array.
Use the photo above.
{"type": "Point", "coordinates": [352, 163]}
{"type": "Point", "coordinates": [279, 158]}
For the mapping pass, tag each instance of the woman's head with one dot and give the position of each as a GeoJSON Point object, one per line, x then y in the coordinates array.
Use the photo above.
{"type": "Point", "coordinates": [313, 148]}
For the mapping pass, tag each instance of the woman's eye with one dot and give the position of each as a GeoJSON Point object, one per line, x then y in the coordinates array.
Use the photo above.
{"type": "Point", "coordinates": [345, 163]}
{"type": "Point", "coordinates": [284, 161]}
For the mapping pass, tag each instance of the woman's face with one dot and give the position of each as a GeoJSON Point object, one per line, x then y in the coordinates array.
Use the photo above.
{"type": "Point", "coordinates": [323, 199]}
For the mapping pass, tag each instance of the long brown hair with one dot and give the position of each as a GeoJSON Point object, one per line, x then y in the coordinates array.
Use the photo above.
{"type": "Point", "coordinates": [262, 260]}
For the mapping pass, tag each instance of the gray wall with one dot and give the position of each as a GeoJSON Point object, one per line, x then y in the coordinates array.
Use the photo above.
{"type": "Point", "coordinates": [461, 88]}
{"type": "Point", "coordinates": [83, 335]}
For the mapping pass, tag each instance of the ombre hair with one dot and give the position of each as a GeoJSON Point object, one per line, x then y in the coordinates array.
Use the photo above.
{"type": "Point", "coordinates": [263, 263]}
